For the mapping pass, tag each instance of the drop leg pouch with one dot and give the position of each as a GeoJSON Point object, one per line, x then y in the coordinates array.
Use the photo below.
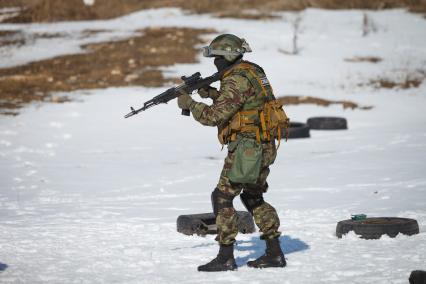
{"type": "Point", "coordinates": [247, 162]}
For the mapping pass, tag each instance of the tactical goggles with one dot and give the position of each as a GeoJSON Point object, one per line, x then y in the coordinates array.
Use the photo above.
{"type": "Point", "coordinates": [209, 52]}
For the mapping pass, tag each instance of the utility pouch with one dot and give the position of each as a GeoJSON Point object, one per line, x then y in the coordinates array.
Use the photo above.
{"type": "Point", "coordinates": [247, 162]}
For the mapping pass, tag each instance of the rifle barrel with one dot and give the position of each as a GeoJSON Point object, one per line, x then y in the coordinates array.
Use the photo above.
{"type": "Point", "coordinates": [192, 83]}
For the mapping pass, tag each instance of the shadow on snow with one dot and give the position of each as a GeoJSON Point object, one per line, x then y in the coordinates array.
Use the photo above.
{"type": "Point", "coordinates": [256, 247]}
{"type": "Point", "coordinates": [3, 267]}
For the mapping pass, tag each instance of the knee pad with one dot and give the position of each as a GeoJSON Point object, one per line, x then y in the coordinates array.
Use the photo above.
{"type": "Point", "coordinates": [220, 201]}
{"type": "Point", "coordinates": [251, 201]}
{"type": "Point", "coordinates": [265, 187]}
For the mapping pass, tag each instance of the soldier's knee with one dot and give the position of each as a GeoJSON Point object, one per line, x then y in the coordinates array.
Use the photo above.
{"type": "Point", "coordinates": [220, 200]}
{"type": "Point", "coordinates": [251, 201]}
{"type": "Point", "coordinates": [265, 187]}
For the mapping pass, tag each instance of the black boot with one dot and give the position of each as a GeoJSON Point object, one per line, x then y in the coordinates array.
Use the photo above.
{"type": "Point", "coordinates": [273, 256]}
{"type": "Point", "coordinates": [224, 260]}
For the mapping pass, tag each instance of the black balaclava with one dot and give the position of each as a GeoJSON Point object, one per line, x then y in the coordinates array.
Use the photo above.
{"type": "Point", "coordinates": [221, 63]}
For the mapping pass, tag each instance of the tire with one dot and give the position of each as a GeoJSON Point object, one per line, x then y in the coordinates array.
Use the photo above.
{"type": "Point", "coordinates": [296, 130]}
{"type": "Point", "coordinates": [205, 223]}
{"type": "Point", "coordinates": [327, 123]}
{"type": "Point", "coordinates": [374, 228]}
{"type": "Point", "coordinates": [417, 277]}
{"type": "Point", "coordinates": [3, 267]}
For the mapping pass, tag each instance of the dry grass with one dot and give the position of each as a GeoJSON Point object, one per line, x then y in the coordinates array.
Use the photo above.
{"type": "Point", "coordinates": [371, 59]}
{"type": "Point", "coordinates": [385, 83]}
{"type": "Point", "coordinates": [399, 80]}
{"type": "Point", "coordinates": [134, 61]}
{"type": "Point", "coordinates": [18, 38]}
{"type": "Point", "coordinates": [54, 10]}
{"type": "Point", "coordinates": [297, 100]}
{"type": "Point", "coordinates": [8, 33]}
{"type": "Point", "coordinates": [11, 38]}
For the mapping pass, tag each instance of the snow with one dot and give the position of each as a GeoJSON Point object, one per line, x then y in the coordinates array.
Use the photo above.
{"type": "Point", "coordinates": [89, 2]}
{"type": "Point", "coordinates": [7, 13]}
{"type": "Point", "coordinates": [89, 197]}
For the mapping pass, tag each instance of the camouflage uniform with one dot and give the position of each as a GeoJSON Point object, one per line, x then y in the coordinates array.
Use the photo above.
{"type": "Point", "coordinates": [238, 93]}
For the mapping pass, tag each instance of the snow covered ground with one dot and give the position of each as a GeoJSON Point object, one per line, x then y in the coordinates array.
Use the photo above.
{"type": "Point", "coordinates": [89, 197]}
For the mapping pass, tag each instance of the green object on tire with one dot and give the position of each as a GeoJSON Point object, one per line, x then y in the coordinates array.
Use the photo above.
{"type": "Point", "coordinates": [358, 217]}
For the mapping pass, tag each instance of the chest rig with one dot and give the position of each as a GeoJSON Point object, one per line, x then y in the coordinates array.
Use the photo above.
{"type": "Point", "coordinates": [262, 116]}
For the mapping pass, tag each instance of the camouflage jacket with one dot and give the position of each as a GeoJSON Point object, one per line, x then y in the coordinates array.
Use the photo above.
{"type": "Point", "coordinates": [237, 92]}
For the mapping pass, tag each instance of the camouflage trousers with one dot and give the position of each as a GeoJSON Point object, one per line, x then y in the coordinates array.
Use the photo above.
{"type": "Point", "coordinates": [265, 216]}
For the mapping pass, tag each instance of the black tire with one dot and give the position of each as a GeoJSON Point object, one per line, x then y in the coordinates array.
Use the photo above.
{"type": "Point", "coordinates": [296, 130]}
{"type": "Point", "coordinates": [3, 267]}
{"type": "Point", "coordinates": [327, 123]}
{"type": "Point", "coordinates": [417, 277]}
{"type": "Point", "coordinates": [374, 228]}
{"type": "Point", "coordinates": [205, 223]}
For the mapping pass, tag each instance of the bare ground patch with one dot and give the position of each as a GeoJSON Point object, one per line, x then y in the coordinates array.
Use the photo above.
{"type": "Point", "coordinates": [297, 100]}
{"type": "Point", "coordinates": [8, 38]}
{"type": "Point", "coordinates": [370, 59]}
{"type": "Point", "coordinates": [75, 10]}
{"type": "Point", "coordinates": [133, 61]}
{"type": "Point", "coordinates": [18, 38]}
{"type": "Point", "coordinates": [402, 80]}
{"type": "Point", "coordinates": [8, 33]}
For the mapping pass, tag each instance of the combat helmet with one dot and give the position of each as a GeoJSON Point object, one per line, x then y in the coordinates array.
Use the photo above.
{"type": "Point", "coordinates": [227, 45]}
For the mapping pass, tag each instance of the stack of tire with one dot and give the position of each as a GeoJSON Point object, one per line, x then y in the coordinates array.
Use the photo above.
{"type": "Point", "coordinates": [302, 130]}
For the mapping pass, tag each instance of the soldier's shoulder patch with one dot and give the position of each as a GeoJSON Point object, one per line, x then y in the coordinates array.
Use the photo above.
{"type": "Point", "coordinates": [264, 81]}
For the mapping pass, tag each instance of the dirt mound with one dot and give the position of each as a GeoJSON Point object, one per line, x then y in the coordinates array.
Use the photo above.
{"type": "Point", "coordinates": [72, 10]}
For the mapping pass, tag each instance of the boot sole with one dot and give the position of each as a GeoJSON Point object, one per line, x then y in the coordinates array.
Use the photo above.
{"type": "Point", "coordinates": [223, 270]}
{"type": "Point", "coordinates": [267, 265]}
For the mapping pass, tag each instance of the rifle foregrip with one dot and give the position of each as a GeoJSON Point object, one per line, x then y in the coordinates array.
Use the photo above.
{"type": "Point", "coordinates": [186, 112]}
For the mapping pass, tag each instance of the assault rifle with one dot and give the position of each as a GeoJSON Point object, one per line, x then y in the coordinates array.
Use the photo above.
{"type": "Point", "coordinates": [191, 83]}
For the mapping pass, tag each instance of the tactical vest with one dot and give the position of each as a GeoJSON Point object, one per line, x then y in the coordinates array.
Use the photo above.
{"type": "Point", "coordinates": [261, 116]}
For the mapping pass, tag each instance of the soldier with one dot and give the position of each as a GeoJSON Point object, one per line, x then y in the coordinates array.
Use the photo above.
{"type": "Point", "coordinates": [248, 120]}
